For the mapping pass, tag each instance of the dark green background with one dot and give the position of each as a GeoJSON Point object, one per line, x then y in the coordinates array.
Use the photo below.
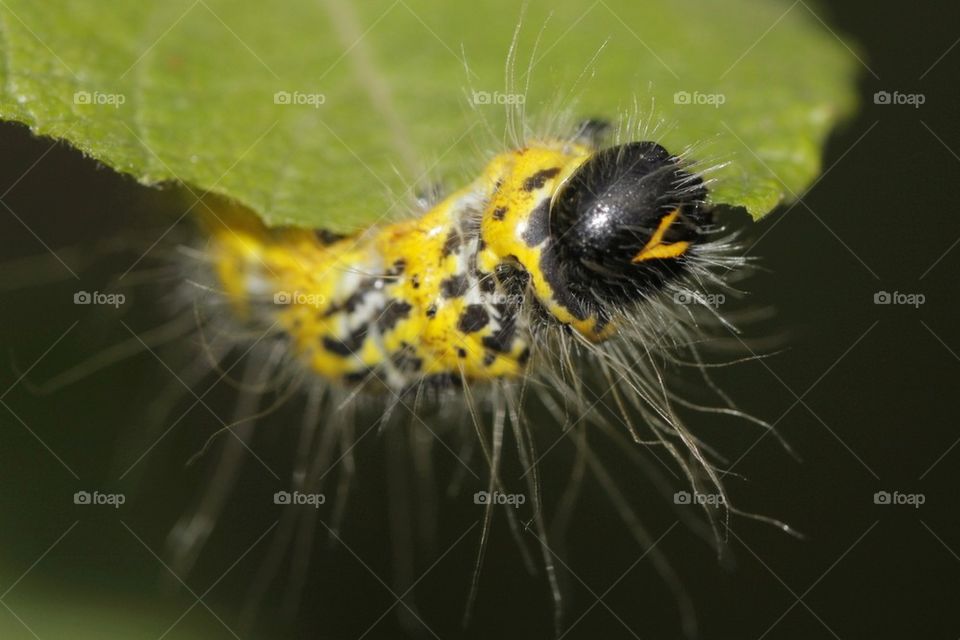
{"type": "Point", "coordinates": [883, 218]}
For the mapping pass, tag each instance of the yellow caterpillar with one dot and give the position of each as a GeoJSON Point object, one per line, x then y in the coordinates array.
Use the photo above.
{"type": "Point", "coordinates": [564, 263]}
{"type": "Point", "coordinates": [555, 235]}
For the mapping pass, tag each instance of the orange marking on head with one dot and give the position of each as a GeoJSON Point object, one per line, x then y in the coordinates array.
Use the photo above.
{"type": "Point", "coordinates": [656, 248]}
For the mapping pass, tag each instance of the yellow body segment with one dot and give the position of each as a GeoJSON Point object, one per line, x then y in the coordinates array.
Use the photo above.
{"type": "Point", "coordinates": [507, 233]}
{"type": "Point", "coordinates": [413, 300]}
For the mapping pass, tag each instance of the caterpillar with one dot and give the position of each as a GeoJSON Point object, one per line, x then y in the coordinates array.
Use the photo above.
{"type": "Point", "coordinates": [555, 236]}
{"type": "Point", "coordinates": [565, 263]}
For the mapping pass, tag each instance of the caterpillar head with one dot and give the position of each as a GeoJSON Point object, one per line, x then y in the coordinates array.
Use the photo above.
{"type": "Point", "coordinates": [623, 223]}
{"type": "Point", "coordinates": [596, 231]}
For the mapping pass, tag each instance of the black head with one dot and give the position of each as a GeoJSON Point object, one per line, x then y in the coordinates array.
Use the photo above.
{"type": "Point", "coordinates": [624, 221]}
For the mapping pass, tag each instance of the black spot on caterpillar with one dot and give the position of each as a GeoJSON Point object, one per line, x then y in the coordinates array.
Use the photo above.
{"type": "Point", "coordinates": [538, 225]}
{"type": "Point", "coordinates": [537, 180]}
{"type": "Point", "coordinates": [473, 319]}
{"type": "Point", "coordinates": [454, 286]}
{"type": "Point", "coordinates": [394, 312]}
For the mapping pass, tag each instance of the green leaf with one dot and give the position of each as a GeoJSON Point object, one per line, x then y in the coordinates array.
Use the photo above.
{"type": "Point", "coordinates": [53, 611]}
{"type": "Point", "coordinates": [382, 94]}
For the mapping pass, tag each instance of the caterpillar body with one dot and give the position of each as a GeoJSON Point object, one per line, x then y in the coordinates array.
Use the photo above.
{"type": "Point", "coordinates": [567, 270]}
{"type": "Point", "coordinates": [557, 235]}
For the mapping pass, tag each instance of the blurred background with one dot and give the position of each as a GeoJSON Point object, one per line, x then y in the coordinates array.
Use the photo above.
{"type": "Point", "coordinates": [865, 393]}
